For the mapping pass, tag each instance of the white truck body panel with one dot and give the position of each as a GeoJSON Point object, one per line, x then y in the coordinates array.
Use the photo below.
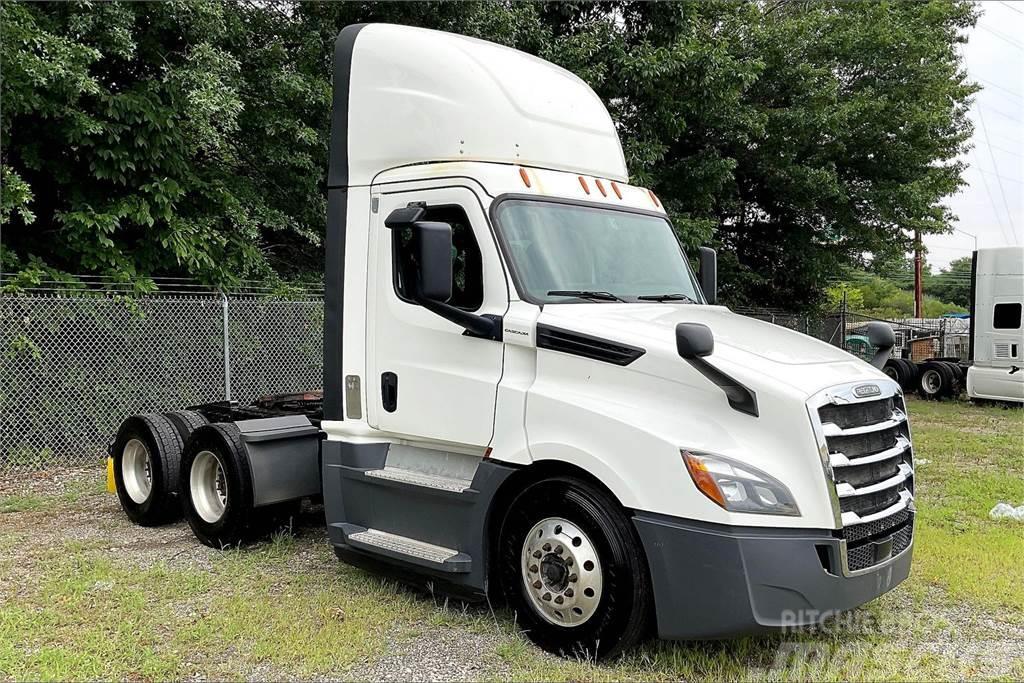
{"type": "Point", "coordinates": [996, 325]}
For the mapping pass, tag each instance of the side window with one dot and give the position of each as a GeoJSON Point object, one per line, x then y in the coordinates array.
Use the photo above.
{"type": "Point", "coordinates": [1006, 316]}
{"type": "Point", "coordinates": [467, 264]}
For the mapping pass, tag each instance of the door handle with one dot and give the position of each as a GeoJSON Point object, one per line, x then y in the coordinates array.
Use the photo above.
{"type": "Point", "coordinates": [389, 391]}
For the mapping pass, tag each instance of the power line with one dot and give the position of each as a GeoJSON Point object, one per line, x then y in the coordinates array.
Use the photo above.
{"type": "Point", "coordinates": [999, 181]}
{"type": "Point", "coordinates": [988, 193]}
{"type": "Point", "coordinates": [999, 87]}
{"type": "Point", "coordinates": [1002, 36]}
{"type": "Point", "coordinates": [1001, 177]}
{"type": "Point", "coordinates": [1010, 7]}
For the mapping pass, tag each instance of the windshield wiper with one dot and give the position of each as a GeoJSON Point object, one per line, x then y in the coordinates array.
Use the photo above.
{"type": "Point", "coordinates": [586, 294]}
{"type": "Point", "coordinates": [667, 297]}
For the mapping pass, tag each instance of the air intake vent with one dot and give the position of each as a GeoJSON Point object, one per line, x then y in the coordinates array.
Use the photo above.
{"type": "Point", "coordinates": [587, 346]}
{"type": "Point", "coordinates": [1002, 350]}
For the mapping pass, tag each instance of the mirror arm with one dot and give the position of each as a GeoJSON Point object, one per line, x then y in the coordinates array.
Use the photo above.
{"type": "Point", "coordinates": [483, 326]}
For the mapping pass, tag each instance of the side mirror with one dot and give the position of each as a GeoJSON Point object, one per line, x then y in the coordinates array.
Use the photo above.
{"type": "Point", "coordinates": [708, 274]}
{"type": "Point", "coordinates": [883, 339]}
{"type": "Point", "coordinates": [694, 340]}
{"type": "Point", "coordinates": [434, 254]}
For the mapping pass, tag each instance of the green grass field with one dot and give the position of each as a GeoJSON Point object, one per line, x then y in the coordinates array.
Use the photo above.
{"type": "Point", "coordinates": [86, 595]}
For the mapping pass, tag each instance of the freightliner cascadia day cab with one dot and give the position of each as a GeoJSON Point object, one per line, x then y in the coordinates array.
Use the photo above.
{"type": "Point", "coordinates": [996, 371]}
{"type": "Point", "coordinates": [529, 394]}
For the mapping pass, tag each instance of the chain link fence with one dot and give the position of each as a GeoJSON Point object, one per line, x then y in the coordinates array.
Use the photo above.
{"type": "Point", "coordinates": [75, 364]}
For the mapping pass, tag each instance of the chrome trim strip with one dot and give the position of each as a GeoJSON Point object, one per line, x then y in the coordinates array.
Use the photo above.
{"type": "Point", "coordinates": [844, 490]}
{"type": "Point", "coordinates": [841, 460]}
{"type": "Point", "coordinates": [898, 418]}
{"type": "Point", "coordinates": [906, 501]}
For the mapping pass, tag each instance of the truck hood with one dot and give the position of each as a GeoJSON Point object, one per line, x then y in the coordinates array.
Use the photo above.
{"type": "Point", "coordinates": [747, 346]}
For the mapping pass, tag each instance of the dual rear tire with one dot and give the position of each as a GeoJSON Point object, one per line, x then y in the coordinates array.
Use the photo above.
{"type": "Point", "coordinates": [940, 379]}
{"type": "Point", "coordinates": [217, 494]}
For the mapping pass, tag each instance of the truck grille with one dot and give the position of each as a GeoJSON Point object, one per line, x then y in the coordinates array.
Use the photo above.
{"type": "Point", "coordinates": [871, 462]}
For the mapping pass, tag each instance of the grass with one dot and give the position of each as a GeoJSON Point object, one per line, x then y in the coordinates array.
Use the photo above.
{"type": "Point", "coordinates": [85, 595]}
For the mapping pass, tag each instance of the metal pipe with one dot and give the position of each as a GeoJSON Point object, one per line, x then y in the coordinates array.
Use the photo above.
{"type": "Point", "coordinates": [227, 348]}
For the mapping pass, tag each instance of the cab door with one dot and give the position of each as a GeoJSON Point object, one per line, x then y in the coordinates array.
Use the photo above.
{"type": "Point", "coordinates": [428, 380]}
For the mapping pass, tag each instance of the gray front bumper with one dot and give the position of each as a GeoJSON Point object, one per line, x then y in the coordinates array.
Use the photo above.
{"type": "Point", "coordinates": [715, 581]}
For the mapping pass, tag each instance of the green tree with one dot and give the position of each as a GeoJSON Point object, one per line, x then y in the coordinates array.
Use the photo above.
{"type": "Point", "coordinates": [190, 138]}
{"type": "Point", "coordinates": [952, 284]}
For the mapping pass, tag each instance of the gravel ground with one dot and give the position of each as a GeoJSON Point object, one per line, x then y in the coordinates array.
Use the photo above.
{"type": "Point", "coordinates": [987, 645]}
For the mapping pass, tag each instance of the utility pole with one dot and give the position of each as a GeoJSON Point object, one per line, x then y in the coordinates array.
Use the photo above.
{"type": "Point", "coordinates": [918, 293]}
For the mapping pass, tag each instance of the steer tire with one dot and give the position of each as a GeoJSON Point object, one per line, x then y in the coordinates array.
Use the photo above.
{"type": "Point", "coordinates": [147, 457]}
{"type": "Point", "coordinates": [613, 595]}
{"type": "Point", "coordinates": [229, 520]}
{"type": "Point", "coordinates": [186, 422]}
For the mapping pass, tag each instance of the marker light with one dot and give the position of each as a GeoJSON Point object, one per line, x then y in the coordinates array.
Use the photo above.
{"type": "Point", "coordinates": [738, 487]}
{"type": "Point", "coordinates": [616, 190]}
{"type": "Point", "coordinates": [600, 187]}
{"type": "Point", "coordinates": [654, 198]}
{"type": "Point", "coordinates": [583, 184]}
{"type": "Point", "coordinates": [524, 176]}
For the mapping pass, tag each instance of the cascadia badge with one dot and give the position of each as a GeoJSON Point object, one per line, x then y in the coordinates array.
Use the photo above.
{"type": "Point", "coordinates": [865, 390]}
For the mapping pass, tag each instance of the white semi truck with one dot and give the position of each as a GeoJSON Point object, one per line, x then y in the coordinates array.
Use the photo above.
{"type": "Point", "coordinates": [529, 394]}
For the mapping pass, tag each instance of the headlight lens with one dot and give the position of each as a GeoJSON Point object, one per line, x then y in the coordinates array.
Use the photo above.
{"type": "Point", "coordinates": [738, 487]}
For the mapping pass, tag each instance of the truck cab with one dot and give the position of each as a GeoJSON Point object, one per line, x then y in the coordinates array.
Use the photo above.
{"type": "Point", "coordinates": [529, 391]}
{"type": "Point", "coordinates": [997, 337]}
{"type": "Point", "coordinates": [530, 394]}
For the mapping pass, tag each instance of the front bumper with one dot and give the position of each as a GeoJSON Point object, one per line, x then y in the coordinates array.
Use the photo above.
{"type": "Point", "coordinates": [715, 581]}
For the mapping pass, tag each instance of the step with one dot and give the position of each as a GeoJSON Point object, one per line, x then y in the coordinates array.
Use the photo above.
{"type": "Point", "coordinates": [407, 549]}
{"type": "Point", "coordinates": [430, 481]}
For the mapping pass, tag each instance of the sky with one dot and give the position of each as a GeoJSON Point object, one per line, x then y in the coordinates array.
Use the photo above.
{"type": "Point", "coordinates": [991, 205]}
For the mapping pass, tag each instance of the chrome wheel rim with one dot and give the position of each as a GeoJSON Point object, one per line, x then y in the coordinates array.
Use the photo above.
{"type": "Point", "coordinates": [208, 486]}
{"type": "Point", "coordinates": [561, 572]}
{"type": "Point", "coordinates": [137, 471]}
{"type": "Point", "coordinates": [931, 381]}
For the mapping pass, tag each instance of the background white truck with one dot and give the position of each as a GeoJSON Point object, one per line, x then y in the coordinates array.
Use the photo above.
{"type": "Point", "coordinates": [528, 393]}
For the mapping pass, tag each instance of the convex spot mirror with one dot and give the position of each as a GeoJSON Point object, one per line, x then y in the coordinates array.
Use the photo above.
{"type": "Point", "coordinates": [694, 340]}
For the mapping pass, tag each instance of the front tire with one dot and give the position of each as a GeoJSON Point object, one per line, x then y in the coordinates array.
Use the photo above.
{"type": "Point", "coordinates": [573, 570]}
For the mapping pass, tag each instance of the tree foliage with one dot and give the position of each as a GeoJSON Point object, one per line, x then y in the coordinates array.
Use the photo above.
{"type": "Point", "coordinates": [190, 138]}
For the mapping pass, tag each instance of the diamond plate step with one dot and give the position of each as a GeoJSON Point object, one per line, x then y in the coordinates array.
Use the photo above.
{"type": "Point", "coordinates": [430, 481]}
{"type": "Point", "coordinates": [407, 549]}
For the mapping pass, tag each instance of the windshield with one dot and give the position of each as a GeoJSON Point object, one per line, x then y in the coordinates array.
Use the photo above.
{"type": "Point", "coordinates": [593, 254]}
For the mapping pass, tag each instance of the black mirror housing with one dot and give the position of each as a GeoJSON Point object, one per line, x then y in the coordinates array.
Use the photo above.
{"type": "Point", "coordinates": [708, 274]}
{"type": "Point", "coordinates": [694, 340]}
{"type": "Point", "coordinates": [434, 254]}
{"type": "Point", "coordinates": [881, 336]}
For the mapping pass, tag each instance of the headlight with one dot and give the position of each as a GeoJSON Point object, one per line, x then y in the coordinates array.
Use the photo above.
{"type": "Point", "coordinates": [738, 487]}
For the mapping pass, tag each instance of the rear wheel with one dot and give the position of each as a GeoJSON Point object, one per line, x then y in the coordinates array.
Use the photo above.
{"type": "Point", "coordinates": [895, 370]}
{"type": "Point", "coordinates": [147, 455]}
{"type": "Point", "coordinates": [217, 495]}
{"type": "Point", "coordinates": [935, 381]}
{"type": "Point", "coordinates": [573, 570]}
{"type": "Point", "coordinates": [186, 422]}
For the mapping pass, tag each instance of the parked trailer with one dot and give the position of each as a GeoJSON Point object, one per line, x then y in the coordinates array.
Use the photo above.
{"type": "Point", "coordinates": [529, 395]}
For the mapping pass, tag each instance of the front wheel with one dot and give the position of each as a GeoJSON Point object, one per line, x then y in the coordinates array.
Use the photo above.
{"type": "Point", "coordinates": [572, 569]}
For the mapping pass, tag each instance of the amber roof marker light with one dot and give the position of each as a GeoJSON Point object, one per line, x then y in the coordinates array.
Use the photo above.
{"type": "Point", "coordinates": [616, 190]}
{"type": "Point", "coordinates": [600, 187]}
{"type": "Point", "coordinates": [654, 198]}
{"type": "Point", "coordinates": [525, 176]}
{"type": "Point", "coordinates": [583, 184]}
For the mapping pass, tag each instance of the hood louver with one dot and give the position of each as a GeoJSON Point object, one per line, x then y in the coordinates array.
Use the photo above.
{"type": "Point", "coordinates": [579, 344]}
